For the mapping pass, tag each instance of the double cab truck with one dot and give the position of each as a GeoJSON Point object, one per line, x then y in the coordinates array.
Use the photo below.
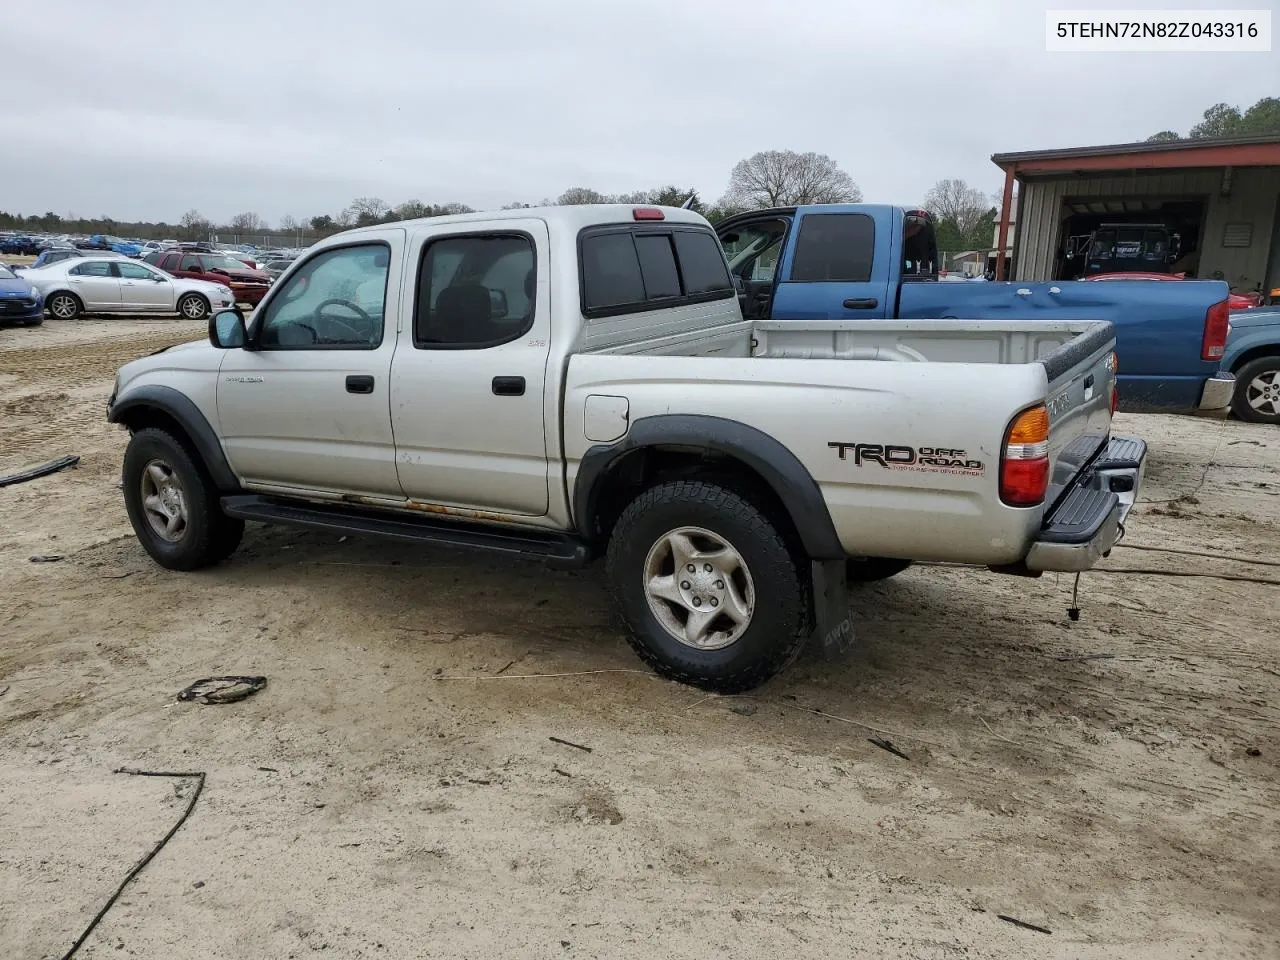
{"type": "Point", "coordinates": [579, 382]}
{"type": "Point", "coordinates": [873, 261]}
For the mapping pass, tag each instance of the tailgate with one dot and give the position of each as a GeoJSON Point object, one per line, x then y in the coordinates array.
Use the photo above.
{"type": "Point", "coordinates": [1081, 376]}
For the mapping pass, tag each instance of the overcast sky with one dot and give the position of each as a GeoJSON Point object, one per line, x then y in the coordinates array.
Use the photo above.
{"type": "Point", "coordinates": [147, 108]}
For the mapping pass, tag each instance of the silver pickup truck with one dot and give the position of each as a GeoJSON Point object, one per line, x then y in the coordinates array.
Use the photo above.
{"type": "Point", "coordinates": [579, 382]}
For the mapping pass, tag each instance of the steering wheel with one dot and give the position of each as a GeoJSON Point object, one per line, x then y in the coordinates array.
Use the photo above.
{"type": "Point", "coordinates": [343, 326]}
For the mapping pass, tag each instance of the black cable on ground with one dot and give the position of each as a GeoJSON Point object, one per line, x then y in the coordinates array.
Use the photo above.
{"type": "Point", "coordinates": [53, 466]}
{"type": "Point", "coordinates": [199, 778]}
{"type": "Point", "coordinates": [1200, 553]}
{"type": "Point", "coordinates": [1187, 573]}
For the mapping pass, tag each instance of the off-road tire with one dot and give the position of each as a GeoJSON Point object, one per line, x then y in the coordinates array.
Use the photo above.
{"type": "Point", "coordinates": [210, 536]}
{"type": "Point", "coordinates": [871, 569]}
{"type": "Point", "coordinates": [780, 618]}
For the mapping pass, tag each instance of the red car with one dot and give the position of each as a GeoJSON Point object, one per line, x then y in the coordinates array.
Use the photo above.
{"type": "Point", "coordinates": [1235, 301]}
{"type": "Point", "coordinates": [248, 285]}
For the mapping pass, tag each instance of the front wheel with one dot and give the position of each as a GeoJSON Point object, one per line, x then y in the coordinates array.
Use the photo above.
{"type": "Point", "coordinates": [193, 307]}
{"type": "Point", "coordinates": [709, 589]}
{"type": "Point", "coordinates": [173, 505]}
{"type": "Point", "coordinates": [1257, 394]}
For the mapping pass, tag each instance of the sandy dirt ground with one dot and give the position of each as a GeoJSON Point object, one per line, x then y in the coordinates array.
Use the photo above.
{"type": "Point", "coordinates": [367, 804]}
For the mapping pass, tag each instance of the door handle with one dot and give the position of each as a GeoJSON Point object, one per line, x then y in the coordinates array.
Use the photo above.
{"type": "Point", "coordinates": [508, 386]}
{"type": "Point", "coordinates": [861, 303]}
{"type": "Point", "coordinates": [360, 383]}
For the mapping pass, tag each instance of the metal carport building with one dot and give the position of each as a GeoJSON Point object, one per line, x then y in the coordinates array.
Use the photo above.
{"type": "Point", "coordinates": [1222, 194]}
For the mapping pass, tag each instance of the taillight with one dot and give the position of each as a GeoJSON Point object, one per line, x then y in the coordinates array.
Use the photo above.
{"type": "Point", "coordinates": [1217, 324]}
{"type": "Point", "coordinates": [1024, 468]}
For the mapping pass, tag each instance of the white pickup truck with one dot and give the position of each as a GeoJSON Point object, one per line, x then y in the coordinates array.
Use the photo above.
{"type": "Point", "coordinates": [575, 382]}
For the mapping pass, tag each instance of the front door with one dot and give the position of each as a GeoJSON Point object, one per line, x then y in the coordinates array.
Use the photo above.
{"type": "Point", "coordinates": [467, 390]}
{"type": "Point", "coordinates": [306, 408]}
{"type": "Point", "coordinates": [142, 288]}
{"type": "Point", "coordinates": [95, 283]}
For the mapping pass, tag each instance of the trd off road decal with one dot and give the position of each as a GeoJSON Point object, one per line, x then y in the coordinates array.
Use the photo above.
{"type": "Point", "coordinates": [912, 459]}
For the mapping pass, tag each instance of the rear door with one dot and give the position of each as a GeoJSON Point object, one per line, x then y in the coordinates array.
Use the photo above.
{"type": "Point", "coordinates": [839, 264]}
{"type": "Point", "coordinates": [468, 402]}
{"type": "Point", "coordinates": [96, 284]}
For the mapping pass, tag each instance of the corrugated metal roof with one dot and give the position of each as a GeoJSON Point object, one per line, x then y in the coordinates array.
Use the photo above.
{"type": "Point", "coordinates": [1142, 146]}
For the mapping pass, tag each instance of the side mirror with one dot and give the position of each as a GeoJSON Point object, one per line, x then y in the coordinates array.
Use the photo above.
{"type": "Point", "coordinates": [227, 331]}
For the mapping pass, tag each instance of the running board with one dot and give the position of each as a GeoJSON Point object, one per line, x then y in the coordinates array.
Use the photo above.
{"type": "Point", "coordinates": [559, 550]}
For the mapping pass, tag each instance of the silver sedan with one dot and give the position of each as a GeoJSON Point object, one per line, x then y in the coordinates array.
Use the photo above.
{"type": "Point", "coordinates": [115, 285]}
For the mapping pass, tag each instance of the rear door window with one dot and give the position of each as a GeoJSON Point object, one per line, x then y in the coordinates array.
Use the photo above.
{"type": "Point", "coordinates": [834, 247]}
{"type": "Point", "coordinates": [190, 262]}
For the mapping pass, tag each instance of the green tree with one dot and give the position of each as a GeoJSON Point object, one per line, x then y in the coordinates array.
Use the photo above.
{"type": "Point", "coordinates": [322, 222]}
{"type": "Point", "coordinates": [1163, 135]}
{"type": "Point", "coordinates": [1225, 120]}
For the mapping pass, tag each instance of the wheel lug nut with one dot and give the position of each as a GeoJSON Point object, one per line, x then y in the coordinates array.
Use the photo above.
{"type": "Point", "coordinates": [715, 602]}
{"type": "Point", "coordinates": [691, 568]}
{"type": "Point", "coordinates": [719, 584]}
{"type": "Point", "coordinates": [684, 584]}
{"type": "Point", "coordinates": [697, 601]}
{"type": "Point", "coordinates": [706, 567]}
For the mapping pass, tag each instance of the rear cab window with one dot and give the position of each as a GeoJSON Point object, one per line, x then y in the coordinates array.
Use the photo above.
{"type": "Point", "coordinates": [629, 268]}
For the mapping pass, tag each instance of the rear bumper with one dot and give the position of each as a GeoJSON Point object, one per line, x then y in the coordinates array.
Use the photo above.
{"type": "Point", "coordinates": [1216, 396]}
{"type": "Point", "coordinates": [1086, 523]}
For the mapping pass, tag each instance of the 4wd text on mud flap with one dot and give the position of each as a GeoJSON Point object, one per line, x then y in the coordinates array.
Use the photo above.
{"type": "Point", "coordinates": [898, 457]}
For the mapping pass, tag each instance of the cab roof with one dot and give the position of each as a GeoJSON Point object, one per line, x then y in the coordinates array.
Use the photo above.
{"type": "Point", "coordinates": [570, 217]}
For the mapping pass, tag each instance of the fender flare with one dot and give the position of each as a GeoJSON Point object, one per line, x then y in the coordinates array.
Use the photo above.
{"type": "Point", "coordinates": [188, 416]}
{"type": "Point", "coordinates": [789, 479]}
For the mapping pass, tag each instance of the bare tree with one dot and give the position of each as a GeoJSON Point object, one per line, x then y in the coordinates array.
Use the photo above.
{"type": "Point", "coordinates": [194, 223]}
{"type": "Point", "coordinates": [290, 223]}
{"type": "Point", "coordinates": [774, 178]}
{"type": "Point", "coordinates": [956, 202]}
{"type": "Point", "coordinates": [247, 223]}
{"type": "Point", "coordinates": [579, 195]}
{"type": "Point", "coordinates": [412, 210]}
{"type": "Point", "coordinates": [452, 209]}
{"type": "Point", "coordinates": [365, 210]}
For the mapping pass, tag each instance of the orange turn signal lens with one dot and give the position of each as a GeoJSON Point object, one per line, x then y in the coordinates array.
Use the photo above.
{"type": "Point", "coordinates": [1030, 426]}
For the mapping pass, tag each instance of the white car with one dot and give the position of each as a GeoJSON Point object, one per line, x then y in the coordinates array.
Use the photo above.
{"type": "Point", "coordinates": [116, 285]}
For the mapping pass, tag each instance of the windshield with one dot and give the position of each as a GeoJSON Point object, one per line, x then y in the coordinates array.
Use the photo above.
{"type": "Point", "coordinates": [6, 273]}
{"type": "Point", "coordinates": [223, 263]}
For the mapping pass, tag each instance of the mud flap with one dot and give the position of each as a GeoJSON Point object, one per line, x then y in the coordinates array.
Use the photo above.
{"type": "Point", "coordinates": [832, 625]}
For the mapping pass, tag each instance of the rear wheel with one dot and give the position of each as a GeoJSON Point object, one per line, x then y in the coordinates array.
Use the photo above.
{"type": "Point", "coordinates": [173, 504]}
{"type": "Point", "coordinates": [1257, 394]}
{"type": "Point", "coordinates": [708, 587]}
{"type": "Point", "coordinates": [869, 569]}
{"type": "Point", "coordinates": [65, 306]}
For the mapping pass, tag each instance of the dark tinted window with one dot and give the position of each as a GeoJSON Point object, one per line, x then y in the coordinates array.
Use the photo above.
{"type": "Point", "coordinates": [610, 271]}
{"type": "Point", "coordinates": [477, 291]}
{"type": "Point", "coordinates": [834, 246]}
{"type": "Point", "coordinates": [190, 262]}
{"type": "Point", "coordinates": [170, 261]}
{"type": "Point", "coordinates": [701, 262]}
{"type": "Point", "coordinates": [658, 267]}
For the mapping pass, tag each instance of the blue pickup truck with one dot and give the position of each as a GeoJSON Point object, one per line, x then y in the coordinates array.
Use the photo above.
{"type": "Point", "coordinates": [874, 261]}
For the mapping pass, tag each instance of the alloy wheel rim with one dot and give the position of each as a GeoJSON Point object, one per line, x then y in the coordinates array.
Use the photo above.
{"type": "Point", "coordinates": [699, 588]}
{"type": "Point", "coordinates": [1263, 392]}
{"type": "Point", "coordinates": [163, 501]}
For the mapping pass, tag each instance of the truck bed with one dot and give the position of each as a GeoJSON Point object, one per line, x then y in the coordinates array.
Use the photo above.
{"type": "Point", "coordinates": [924, 384]}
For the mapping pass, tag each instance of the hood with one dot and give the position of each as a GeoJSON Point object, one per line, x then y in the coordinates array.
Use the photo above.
{"type": "Point", "coordinates": [182, 347]}
{"type": "Point", "coordinates": [17, 287]}
{"type": "Point", "coordinates": [248, 274]}
{"type": "Point", "coordinates": [1257, 317]}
